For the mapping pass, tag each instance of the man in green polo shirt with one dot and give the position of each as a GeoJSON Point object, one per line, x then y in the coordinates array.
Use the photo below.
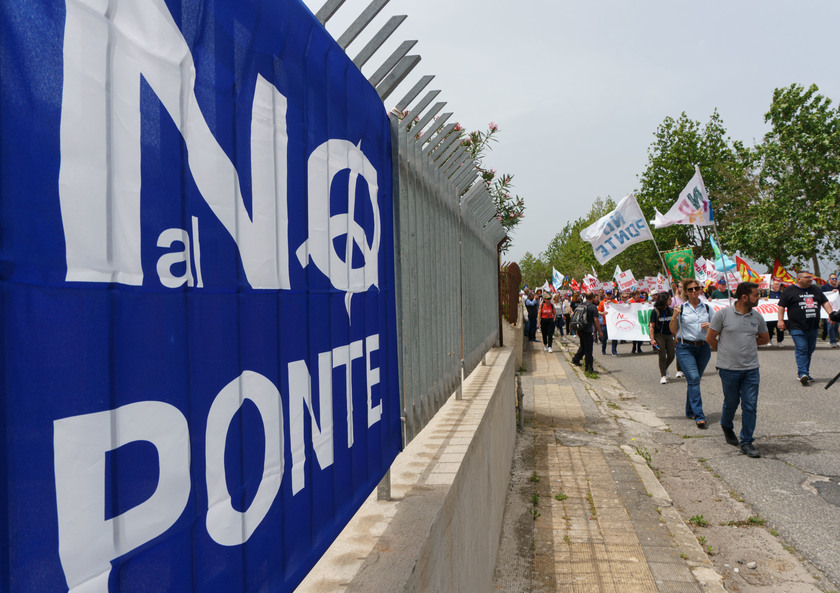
{"type": "Point", "coordinates": [736, 332]}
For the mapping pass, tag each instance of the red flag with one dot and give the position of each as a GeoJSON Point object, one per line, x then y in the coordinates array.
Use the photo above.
{"type": "Point", "coordinates": [782, 275]}
{"type": "Point", "coordinates": [747, 273]}
{"type": "Point", "coordinates": [574, 284]}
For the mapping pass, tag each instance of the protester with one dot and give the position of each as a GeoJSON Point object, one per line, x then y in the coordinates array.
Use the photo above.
{"type": "Point", "coordinates": [736, 332]}
{"type": "Point", "coordinates": [660, 332]}
{"type": "Point", "coordinates": [532, 305]}
{"type": "Point", "coordinates": [559, 322]}
{"type": "Point", "coordinates": [802, 301]}
{"type": "Point", "coordinates": [775, 293]}
{"type": "Point", "coordinates": [829, 288]}
{"type": "Point", "coordinates": [585, 335]}
{"type": "Point", "coordinates": [689, 324]}
{"type": "Point", "coordinates": [602, 311]}
{"type": "Point", "coordinates": [576, 302]}
{"type": "Point", "coordinates": [722, 291]}
{"type": "Point", "coordinates": [567, 312]}
{"type": "Point", "coordinates": [547, 315]}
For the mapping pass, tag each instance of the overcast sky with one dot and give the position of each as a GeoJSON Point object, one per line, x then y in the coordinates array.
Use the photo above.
{"type": "Point", "coordinates": [578, 88]}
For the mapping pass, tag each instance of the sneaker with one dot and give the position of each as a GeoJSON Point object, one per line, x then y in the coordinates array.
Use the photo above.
{"type": "Point", "coordinates": [604, 352]}
{"type": "Point", "coordinates": [834, 345]}
{"type": "Point", "coordinates": [549, 349]}
{"type": "Point", "coordinates": [663, 381]}
{"type": "Point", "coordinates": [803, 379]}
{"type": "Point", "coordinates": [778, 344]}
{"type": "Point", "coordinates": [810, 379]}
{"type": "Point", "coordinates": [576, 362]}
{"type": "Point", "coordinates": [679, 375]}
{"type": "Point", "coordinates": [545, 348]}
{"type": "Point", "coordinates": [667, 375]}
{"type": "Point", "coordinates": [730, 436]}
{"type": "Point", "coordinates": [750, 451]}
{"type": "Point", "coordinates": [615, 353]}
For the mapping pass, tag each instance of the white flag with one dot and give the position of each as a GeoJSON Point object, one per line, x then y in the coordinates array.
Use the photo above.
{"type": "Point", "coordinates": [615, 232]}
{"type": "Point", "coordinates": [617, 272]}
{"type": "Point", "coordinates": [700, 269]}
{"type": "Point", "coordinates": [556, 278]}
{"type": "Point", "coordinates": [692, 207]}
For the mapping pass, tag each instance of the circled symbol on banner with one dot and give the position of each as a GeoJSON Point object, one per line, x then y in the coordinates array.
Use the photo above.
{"type": "Point", "coordinates": [325, 162]}
{"type": "Point", "coordinates": [624, 323]}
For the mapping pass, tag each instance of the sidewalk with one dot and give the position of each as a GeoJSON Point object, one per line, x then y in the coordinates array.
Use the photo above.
{"type": "Point", "coordinates": [584, 510]}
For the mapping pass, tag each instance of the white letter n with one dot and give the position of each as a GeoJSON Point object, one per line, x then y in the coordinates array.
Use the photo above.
{"type": "Point", "coordinates": [108, 45]}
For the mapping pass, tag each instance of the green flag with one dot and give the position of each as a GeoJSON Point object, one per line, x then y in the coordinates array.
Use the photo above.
{"type": "Point", "coordinates": [680, 263]}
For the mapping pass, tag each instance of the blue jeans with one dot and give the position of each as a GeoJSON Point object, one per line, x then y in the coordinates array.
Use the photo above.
{"type": "Point", "coordinates": [832, 332]}
{"type": "Point", "coordinates": [693, 360]}
{"type": "Point", "coordinates": [804, 344]}
{"type": "Point", "coordinates": [740, 387]}
{"type": "Point", "coordinates": [604, 341]}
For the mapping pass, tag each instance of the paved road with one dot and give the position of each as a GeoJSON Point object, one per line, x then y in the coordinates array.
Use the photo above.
{"type": "Point", "coordinates": [796, 485]}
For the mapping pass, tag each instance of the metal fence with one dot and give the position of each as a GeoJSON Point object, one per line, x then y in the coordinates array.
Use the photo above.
{"type": "Point", "coordinates": [447, 236]}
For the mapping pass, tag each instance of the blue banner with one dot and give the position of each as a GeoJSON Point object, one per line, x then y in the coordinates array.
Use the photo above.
{"type": "Point", "coordinates": [199, 367]}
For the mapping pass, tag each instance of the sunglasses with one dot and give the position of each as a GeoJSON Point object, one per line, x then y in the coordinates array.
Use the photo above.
{"type": "Point", "coordinates": [693, 289]}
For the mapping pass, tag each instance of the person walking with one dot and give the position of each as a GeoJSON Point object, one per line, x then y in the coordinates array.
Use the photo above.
{"type": "Point", "coordinates": [802, 301]}
{"type": "Point", "coordinates": [585, 335]}
{"type": "Point", "coordinates": [532, 305]}
{"type": "Point", "coordinates": [689, 324]}
{"type": "Point", "coordinates": [547, 315]}
{"type": "Point", "coordinates": [660, 333]}
{"type": "Point", "coordinates": [602, 314]}
{"type": "Point", "coordinates": [559, 322]}
{"type": "Point", "coordinates": [775, 293]}
{"type": "Point", "coordinates": [735, 333]}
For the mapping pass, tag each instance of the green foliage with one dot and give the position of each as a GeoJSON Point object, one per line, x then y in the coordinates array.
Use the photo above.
{"type": "Point", "coordinates": [678, 146]}
{"type": "Point", "coordinates": [799, 173]}
{"type": "Point", "coordinates": [698, 521]}
{"type": "Point", "coordinates": [534, 270]}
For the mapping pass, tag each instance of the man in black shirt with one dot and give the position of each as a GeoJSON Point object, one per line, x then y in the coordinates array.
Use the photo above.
{"type": "Point", "coordinates": [803, 302]}
{"type": "Point", "coordinates": [585, 335]}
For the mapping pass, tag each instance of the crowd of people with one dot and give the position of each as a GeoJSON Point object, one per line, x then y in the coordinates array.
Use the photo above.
{"type": "Point", "coordinates": [685, 329]}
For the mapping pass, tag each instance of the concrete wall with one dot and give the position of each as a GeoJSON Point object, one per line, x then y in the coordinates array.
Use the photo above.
{"type": "Point", "coordinates": [513, 336]}
{"type": "Point", "coordinates": [440, 531]}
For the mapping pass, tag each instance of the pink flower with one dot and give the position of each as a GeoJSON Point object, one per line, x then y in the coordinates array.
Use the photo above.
{"type": "Point", "coordinates": [493, 171]}
{"type": "Point", "coordinates": [493, 126]}
{"type": "Point", "coordinates": [457, 127]}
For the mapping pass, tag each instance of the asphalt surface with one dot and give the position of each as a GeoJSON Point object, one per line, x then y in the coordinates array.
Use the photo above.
{"type": "Point", "coordinates": [795, 486]}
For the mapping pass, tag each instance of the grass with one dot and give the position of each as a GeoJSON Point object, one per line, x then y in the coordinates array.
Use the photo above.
{"type": "Point", "coordinates": [591, 501]}
{"type": "Point", "coordinates": [644, 454]}
{"type": "Point", "coordinates": [683, 556]}
{"type": "Point", "coordinates": [698, 521]}
{"type": "Point", "coordinates": [535, 499]}
{"type": "Point", "coordinates": [591, 375]}
{"type": "Point", "coordinates": [754, 521]}
{"type": "Point", "coordinates": [613, 405]}
{"type": "Point", "coordinates": [735, 496]}
{"type": "Point", "coordinates": [567, 539]}
{"type": "Point", "coordinates": [774, 533]}
{"type": "Point", "coordinates": [560, 496]}
{"type": "Point", "coordinates": [534, 477]}
{"type": "Point", "coordinates": [702, 540]}
{"type": "Point", "coordinates": [534, 513]}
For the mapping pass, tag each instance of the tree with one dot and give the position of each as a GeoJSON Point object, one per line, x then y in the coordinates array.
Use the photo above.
{"type": "Point", "coordinates": [800, 165]}
{"type": "Point", "coordinates": [535, 271]}
{"type": "Point", "coordinates": [678, 146]}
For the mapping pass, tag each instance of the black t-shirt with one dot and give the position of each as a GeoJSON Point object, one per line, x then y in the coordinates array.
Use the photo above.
{"type": "Point", "coordinates": [661, 320]}
{"type": "Point", "coordinates": [803, 306]}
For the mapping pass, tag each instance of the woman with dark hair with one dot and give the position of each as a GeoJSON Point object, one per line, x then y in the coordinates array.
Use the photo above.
{"type": "Point", "coordinates": [660, 332]}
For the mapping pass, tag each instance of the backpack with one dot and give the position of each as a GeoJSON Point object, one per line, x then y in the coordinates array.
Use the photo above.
{"type": "Point", "coordinates": [579, 321]}
{"type": "Point", "coordinates": [547, 310]}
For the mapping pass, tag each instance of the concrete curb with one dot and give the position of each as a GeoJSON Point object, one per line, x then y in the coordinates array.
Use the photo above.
{"type": "Point", "coordinates": [696, 557]}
